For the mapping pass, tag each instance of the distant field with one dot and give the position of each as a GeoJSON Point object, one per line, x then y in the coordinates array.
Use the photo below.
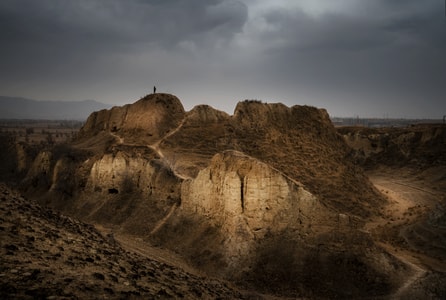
{"type": "Point", "coordinates": [40, 131]}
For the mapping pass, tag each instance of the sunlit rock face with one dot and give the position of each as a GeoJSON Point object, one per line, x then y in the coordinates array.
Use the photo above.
{"type": "Point", "coordinates": [127, 190]}
{"type": "Point", "coordinates": [248, 199]}
{"type": "Point", "coordinates": [122, 173]}
{"type": "Point", "coordinates": [142, 122]}
{"type": "Point", "coordinates": [269, 196]}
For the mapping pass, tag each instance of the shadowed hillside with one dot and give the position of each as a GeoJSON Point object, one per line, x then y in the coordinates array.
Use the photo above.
{"type": "Point", "coordinates": [299, 141]}
{"type": "Point", "coordinates": [270, 198]}
{"type": "Point", "coordinates": [45, 254]}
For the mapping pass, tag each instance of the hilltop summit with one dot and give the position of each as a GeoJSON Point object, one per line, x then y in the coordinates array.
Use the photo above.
{"type": "Point", "coordinates": [300, 141]}
{"type": "Point", "coordinates": [224, 191]}
{"type": "Point", "coordinates": [148, 119]}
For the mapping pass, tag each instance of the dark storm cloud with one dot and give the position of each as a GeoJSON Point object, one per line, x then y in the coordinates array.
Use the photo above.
{"type": "Point", "coordinates": [163, 22]}
{"type": "Point", "coordinates": [106, 49]}
{"type": "Point", "coordinates": [384, 25]}
{"type": "Point", "coordinates": [48, 29]}
{"type": "Point", "coordinates": [386, 57]}
{"type": "Point", "coordinates": [352, 57]}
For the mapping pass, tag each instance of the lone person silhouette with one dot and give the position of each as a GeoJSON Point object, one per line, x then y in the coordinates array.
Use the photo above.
{"type": "Point", "coordinates": [154, 89]}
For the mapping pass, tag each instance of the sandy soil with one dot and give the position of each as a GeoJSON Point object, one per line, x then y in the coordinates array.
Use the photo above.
{"type": "Point", "coordinates": [45, 255]}
{"type": "Point", "coordinates": [411, 200]}
{"type": "Point", "coordinates": [138, 245]}
{"type": "Point", "coordinates": [141, 247]}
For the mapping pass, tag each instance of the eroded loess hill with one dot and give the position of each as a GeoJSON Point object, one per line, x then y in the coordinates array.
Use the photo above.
{"type": "Point", "coordinates": [269, 197]}
{"type": "Point", "coordinates": [299, 141]}
{"type": "Point", "coordinates": [421, 146]}
{"type": "Point", "coordinates": [143, 122]}
{"type": "Point", "coordinates": [409, 166]}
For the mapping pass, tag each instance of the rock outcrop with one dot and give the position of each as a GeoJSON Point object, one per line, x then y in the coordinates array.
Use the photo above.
{"type": "Point", "coordinates": [143, 122]}
{"type": "Point", "coordinates": [420, 146]}
{"type": "Point", "coordinates": [132, 191]}
{"type": "Point", "coordinates": [15, 158]}
{"type": "Point", "coordinates": [222, 190]}
{"type": "Point", "coordinates": [300, 141]}
{"type": "Point", "coordinates": [205, 114]}
{"type": "Point", "coordinates": [247, 200]}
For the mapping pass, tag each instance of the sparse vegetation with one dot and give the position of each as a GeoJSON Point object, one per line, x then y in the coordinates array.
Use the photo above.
{"type": "Point", "coordinates": [40, 132]}
{"type": "Point", "coordinates": [253, 101]}
{"type": "Point", "coordinates": [185, 181]}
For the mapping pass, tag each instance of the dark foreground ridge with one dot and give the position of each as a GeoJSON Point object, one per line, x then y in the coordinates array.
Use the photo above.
{"type": "Point", "coordinates": [45, 255]}
{"type": "Point", "coordinates": [272, 198]}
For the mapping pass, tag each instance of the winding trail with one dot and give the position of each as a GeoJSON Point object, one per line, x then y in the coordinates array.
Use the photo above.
{"type": "Point", "coordinates": [156, 147]}
{"type": "Point", "coordinates": [411, 186]}
{"type": "Point", "coordinates": [173, 131]}
{"type": "Point", "coordinates": [409, 202]}
{"type": "Point", "coordinates": [164, 220]}
{"type": "Point", "coordinates": [419, 272]}
{"type": "Point", "coordinates": [117, 137]}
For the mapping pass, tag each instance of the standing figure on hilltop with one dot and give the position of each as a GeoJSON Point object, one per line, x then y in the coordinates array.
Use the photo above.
{"type": "Point", "coordinates": [154, 89]}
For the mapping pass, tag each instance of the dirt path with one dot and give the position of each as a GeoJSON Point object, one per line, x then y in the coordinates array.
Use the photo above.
{"type": "Point", "coordinates": [119, 139]}
{"type": "Point", "coordinates": [409, 202]}
{"type": "Point", "coordinates": [155, 147]}
{"type": "Point", "coordinates": [164, 220]}
{"type": "Point", "coordinates": [173, 131]}
{"type": "Point", "coordinates": [419, 272]}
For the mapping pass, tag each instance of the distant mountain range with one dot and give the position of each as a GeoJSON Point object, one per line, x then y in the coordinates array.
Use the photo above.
{"type": "Point", "coordinates": [22, 108]}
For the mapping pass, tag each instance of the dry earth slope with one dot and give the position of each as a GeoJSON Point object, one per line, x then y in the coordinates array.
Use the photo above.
{"type": "Point", "coordinates": [45, 255]}
{"type": "Point", "coordinates": [269, 197]}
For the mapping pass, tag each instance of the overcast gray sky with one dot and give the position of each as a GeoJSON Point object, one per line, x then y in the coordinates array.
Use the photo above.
{"type": "Point", "coordinates": [353, 57]}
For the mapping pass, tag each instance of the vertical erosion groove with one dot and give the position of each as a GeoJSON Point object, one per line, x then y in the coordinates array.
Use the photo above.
{"type": "Point", "coordinates": [242, 193]}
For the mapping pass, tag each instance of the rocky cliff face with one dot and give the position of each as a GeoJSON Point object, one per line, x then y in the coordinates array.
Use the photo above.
{"type": "Point", "coordinates": [129, 187]}
{"type": "Point", "coordinates": [143, 122]}
{"type": "Point", "coordinates": [153, 145]}
{"type": "Point", "coordinates": [247, 200]}
{"type": "Point", "coordinates": [135, 191]}
{"type": "Point", "coordinates": [300, 141]}
{"type": "Point", "coordinates": [265, 115]}
{"type": "Point", "coordinates": [40, 171]}
{"type": "Point", "coordinates": [222, 190]}
{"type": "Point", "coordinates": [15, 158]}
{"type": "Point", "coordinates": [205, 114]}
{"type": "Point", "coordinates": [421, 146]}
